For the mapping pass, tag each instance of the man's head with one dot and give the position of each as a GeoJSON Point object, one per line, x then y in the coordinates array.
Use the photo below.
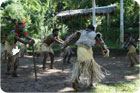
{"type": "Point", "coordinates": [20, 26]}
{"type": "Point", "coordinates": [91, 27]}
{"type": "Point", "coordinates": [55, 32]}
{"type": "Point", "coordinates": [128, 34]}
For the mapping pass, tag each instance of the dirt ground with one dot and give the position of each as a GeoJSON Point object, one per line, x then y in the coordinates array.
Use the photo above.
{"type": "Point", "coordinates": [56, 80]}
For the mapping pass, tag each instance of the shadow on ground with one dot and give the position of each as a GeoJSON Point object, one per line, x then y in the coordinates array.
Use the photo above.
{"type": "Point", "coordinates": [56, 80]}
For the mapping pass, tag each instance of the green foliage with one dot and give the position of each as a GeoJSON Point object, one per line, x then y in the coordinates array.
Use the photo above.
{"type": "Point", "coordinates": [15, 11]}
{"type": "Point", "coordinates": [40, 16]}
{"type": "Point", "coordinates": [131, 17]}
{"type": "Point", "coordinates": [11, 37]}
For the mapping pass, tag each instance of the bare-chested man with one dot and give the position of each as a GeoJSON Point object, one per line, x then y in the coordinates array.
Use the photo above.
{"type": "Point", "coordinates": [47, 49]}
{"type": "Point", "coordinates": [12, 49]}
{"type": "Point", "coordinates": [132, 54]}
{"type": "Point", "coordinates": [85, 67]}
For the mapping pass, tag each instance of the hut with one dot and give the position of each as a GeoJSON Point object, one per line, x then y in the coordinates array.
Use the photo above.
{"type": "Point", "coordinates": [78, 13]}
{"type": "Point", "coordinates": [85, 12]}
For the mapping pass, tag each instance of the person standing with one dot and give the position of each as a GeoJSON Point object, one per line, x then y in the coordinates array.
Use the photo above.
{"type": "Point", "coordinates": [11, 47]}
{"type": "Point", "coordinates": [85, 65]}
{"type": "Point", "coordinates": [46, 47]}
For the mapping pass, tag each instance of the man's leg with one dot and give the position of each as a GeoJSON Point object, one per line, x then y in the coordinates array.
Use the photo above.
{"type": "Point", "coordinates": [75, 84]}
{"type": "Point", "coordinates": [52, 59]}
{"type": "Point", "coordinates": [64, 59]}
{"type": "Point", "coordinates": [9, 64]}
{"type": "Point", "coordinates": [14, 74]}
{"type": "Point", "coordinates": [5, 55]}
{"type": "Point", "coordinates": [131, 61]}
{"type": "Point", "coordinates": [91, 80]}
{"type": "Point", "coordinates": [44, 60]}
{"type": "Point", "coordinates": [69, 56]}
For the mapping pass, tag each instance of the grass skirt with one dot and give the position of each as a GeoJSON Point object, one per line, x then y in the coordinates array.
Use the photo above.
{"type": "Point", "coordinates": [132, 55]}
{"type": "Point", "coordinates": [86, 67]}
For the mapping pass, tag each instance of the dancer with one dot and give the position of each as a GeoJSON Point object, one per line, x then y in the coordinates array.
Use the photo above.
{"type": "Point", "coordinates": [47, 47]}
{"type": "Point", "coordinates": [11, 46]}
{"type": "Point", "coordinates": [132, 55]}
{"type": "Point", "coordinates": [86, 66]}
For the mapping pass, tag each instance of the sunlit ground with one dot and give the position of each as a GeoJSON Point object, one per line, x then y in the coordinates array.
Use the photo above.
{"type": "Point", "coordinates": [131, 85]}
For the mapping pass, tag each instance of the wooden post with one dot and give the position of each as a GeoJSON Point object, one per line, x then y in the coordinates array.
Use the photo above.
{"type": "Point", "coordinates": [139, 22]}
{"type": "Point", "coordinates": [108, 21]}
{"type": "Point", "coordinates": [0, 34]}
{"type": "Point", "coordinates": [81, 21]}
{"type": "Point", "coordinates": [121, 23]}
{"type": "Point", "coordinates": [93, 14]}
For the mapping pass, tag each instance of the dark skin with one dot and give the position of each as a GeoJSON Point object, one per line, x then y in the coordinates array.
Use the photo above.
{"type": "Point", "coordinates": [50, 39]}
{"type": "Point", "coordinates": [77, 36]}
{"type": "Point", "coordinates": [130, 42]}
{"type": "Point", "coordinates": [19, 30]}
{"type": "Point", "coordinates": [102, 44]}
{"type": "Point", "coordinates": [53, 38]}
{"type": "Point", "coordinates": [28, 41]}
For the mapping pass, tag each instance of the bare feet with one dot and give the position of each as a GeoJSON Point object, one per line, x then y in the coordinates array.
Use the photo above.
{"type": "Point", "coordinates": [7, 73]}
{"type": "Point", "coordinates": [91, 86]}
{"type": "Point", "coordinates": [51, 67]}
{"type": "Point", "coordinates": [74, 85]}
{"type": "Point", "coordinates": [43, 67]}
{"type": "Point", "coordinates": [14, 75]}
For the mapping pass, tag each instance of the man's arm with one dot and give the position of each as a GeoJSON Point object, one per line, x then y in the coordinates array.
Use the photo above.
{"type": "Point", "coordinates": [101, 42]}
{"type": "Point", "coordinates": [24, 41]}
{"type": "Point", "coordinates": [71, 40]}
{"type": "Point", "coordinates": [58, 40]}
{"type": "Point", "coordinates": [28, 37]}
{"type": "Point", "coordinates": [103, 45]}
{"type": "Point", "coordinates": [10, 19]}
{"type": "Point", "coordinates": [126, 44]}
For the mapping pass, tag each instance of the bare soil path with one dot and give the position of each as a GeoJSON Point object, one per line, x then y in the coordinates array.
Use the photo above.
{"type": "Point", "coordinates": [54, 80]}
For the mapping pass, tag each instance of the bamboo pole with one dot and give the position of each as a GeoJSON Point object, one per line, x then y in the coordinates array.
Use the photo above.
{"type": "Point", "coordinates": [93, 14]}
{"type": "Point", "coordinates": [121, 23]}
{"type": "Point", "coordinates": [108, 22]}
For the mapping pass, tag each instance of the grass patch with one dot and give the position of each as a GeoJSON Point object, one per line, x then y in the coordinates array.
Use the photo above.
{"type": "Point", "coordinates": [122, 87]}
{"type": "Point", "coordinates": [127, 86]}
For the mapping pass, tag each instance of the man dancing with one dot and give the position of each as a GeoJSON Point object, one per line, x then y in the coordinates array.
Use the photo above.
{"type": "Point", "coordinates": [132, 55]}
{"type": "Point", "coordinates": [12, 48]}
{"type": "Point", "coordinates": [47, 47]}
{"type": "Point", "coordinates": [86, 66]}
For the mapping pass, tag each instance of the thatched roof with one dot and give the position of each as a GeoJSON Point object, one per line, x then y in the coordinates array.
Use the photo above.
{"type": "Point", "coordinates": [83, 12]}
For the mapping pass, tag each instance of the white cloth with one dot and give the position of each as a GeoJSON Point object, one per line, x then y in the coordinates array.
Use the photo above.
{"type": "Point", "coordinates": [11, 49]}
{"type": "Point", "coordinates": [86, 38]}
